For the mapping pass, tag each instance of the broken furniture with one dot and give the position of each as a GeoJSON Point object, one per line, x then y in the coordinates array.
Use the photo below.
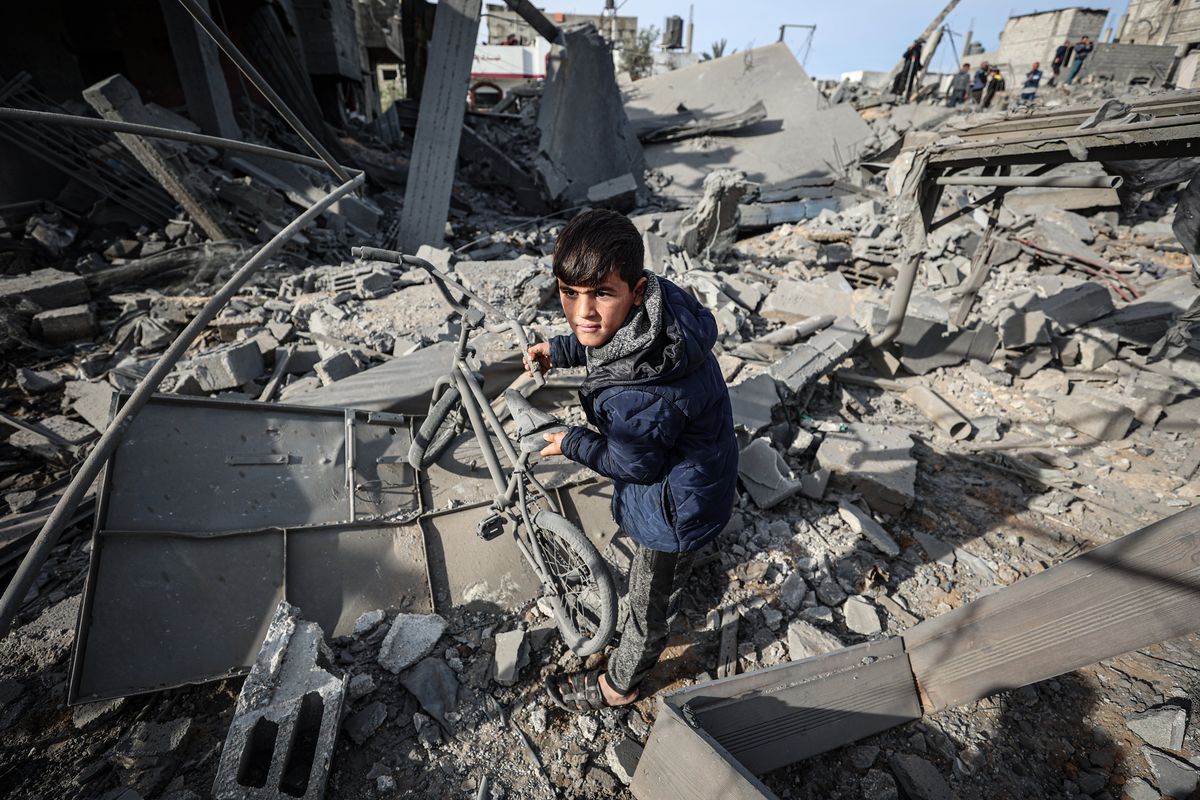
{"type": "Point", "coordinates": [711, 739]}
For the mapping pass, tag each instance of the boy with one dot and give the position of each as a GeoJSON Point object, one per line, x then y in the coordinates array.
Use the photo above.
{"type": "Point", "coordinates": [654, 392]}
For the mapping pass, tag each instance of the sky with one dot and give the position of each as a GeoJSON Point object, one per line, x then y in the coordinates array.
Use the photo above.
{"type": "Point", "coordinates": [850, 34]}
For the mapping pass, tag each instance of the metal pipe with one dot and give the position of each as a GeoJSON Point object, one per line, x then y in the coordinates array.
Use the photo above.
{"type": "Point", "coordinates": [47, 538]}
{"type": "Point", "coordinates": [153, 131]}
{"type": "Point", "coordinates": [900, 297]}
{"type": "Point", "coordinates": [1051, 181]}
{"type": "Point", "coordinates": [945, 416]}
{"type": "Point", "coordinates": [230, 49]}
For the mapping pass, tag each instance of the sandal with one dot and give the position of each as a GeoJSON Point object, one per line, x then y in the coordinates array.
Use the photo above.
{"type": "Point", "coordinates": [578, 692]}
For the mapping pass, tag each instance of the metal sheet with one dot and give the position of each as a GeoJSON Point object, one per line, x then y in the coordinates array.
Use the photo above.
{"type": "Point", "coordinates": [166, 610]}
{"type": "Point", "coordinates": [335, 574]}
{"type": "Point", "coordinates": [212, 512]}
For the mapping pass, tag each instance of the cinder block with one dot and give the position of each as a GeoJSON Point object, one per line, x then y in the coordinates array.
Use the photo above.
{"type": "Point", "coordinates": [66, 324]}
{"type": "Point", "coordinates": [228, 367]}
{"type": "Point", "coordinates": [286, 722]}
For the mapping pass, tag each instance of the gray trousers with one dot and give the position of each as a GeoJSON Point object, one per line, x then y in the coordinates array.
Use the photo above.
{"type": "Point", "coordinates": [656, 582]}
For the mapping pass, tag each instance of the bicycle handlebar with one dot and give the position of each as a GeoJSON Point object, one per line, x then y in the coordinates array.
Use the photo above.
{"type": "Point", "coordinates": [393, 257]}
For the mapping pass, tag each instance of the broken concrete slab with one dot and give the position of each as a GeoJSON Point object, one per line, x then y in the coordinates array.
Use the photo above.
{"type": "Point", "coordinates": [808, 361]}
{"type": "Point", "coordinates": [411, 638]}
{"type": "Point", "coordinates": [800, 136]}
{"type": "Point", "coordinates": [287, 717]}
{"type": "Point", "coordinates": [861, 616]}
{"type": "Point", "coordinates": [229, 367]}
{"type": "Point", "coordinates": [766, 475]}
{"type": "Point", "coordinates": [509, 657]}
{"type": "Point", "coordinates": [62, 325]}
{"type": "Point", "coordinates": [875, 462]}
{"type": "Point", "coordinates": [862, 522]}
{"type": "Point", "coordinates": [806, 641]}
{"type": "Point", "coordinates": [1163, 727]}
{"type": "Point", "coordinates": [753, 401]}
{"type": "Point", "coordinates": [711, 227]}
{"type": "Point", "coordinates": [584, 136]}
{"type": "Point", "coordinates": [47, 288]}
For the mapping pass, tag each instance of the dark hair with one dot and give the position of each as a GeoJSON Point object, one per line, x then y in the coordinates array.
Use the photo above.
{"type": "Point", "coordinates": [596, 243]}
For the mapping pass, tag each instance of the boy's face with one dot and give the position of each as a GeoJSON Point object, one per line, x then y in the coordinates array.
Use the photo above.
{"type": "Point", "coordinates": [596, 313]}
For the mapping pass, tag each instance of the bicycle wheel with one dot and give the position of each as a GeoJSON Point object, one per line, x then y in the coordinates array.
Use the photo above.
{"type": "Point", "coordinates": [437, 431]}
{"type": "Point", "coordinates": [586, 606]}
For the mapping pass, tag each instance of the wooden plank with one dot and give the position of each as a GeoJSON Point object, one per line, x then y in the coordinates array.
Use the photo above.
{"type": "Point", "coordinates": [439, 125]}
{"type": "Point", "coordinates": [684, 763]}
{"type": "Point", "coordinates": [1140, 589]}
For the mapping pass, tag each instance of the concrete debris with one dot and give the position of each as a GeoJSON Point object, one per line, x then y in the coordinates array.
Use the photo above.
{"type": "Point", "coordinates": [287, 718]}
{"type": "Point", "coordinates": [1163, 727]}
{"type": "Point", "coordinates": [411, 638]}
{"type": "Point", "coordinates": [766, 475]}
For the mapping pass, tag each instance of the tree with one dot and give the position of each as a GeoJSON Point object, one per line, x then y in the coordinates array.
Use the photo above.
{"type": "Point", "coordinates": [638, 60]}
{"type": "Point", "coordinates": [716, 50]}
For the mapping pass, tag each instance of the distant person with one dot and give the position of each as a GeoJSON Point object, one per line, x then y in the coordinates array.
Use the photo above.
{"type": "Point", "coordinates": [911, 65]}
{"type": "Point", "coordinates": [979, 83]}
{"type": "Point", "coordinates": [960, 86]}
{"type": "Point", "coordinates": [995, 84]}
{"type": "Point", "coordinates": [1032, 79]}
{"type": "Point", "coordinates": [1062, 57]}
{"type": "Point", "coordinates": [1082, 48]}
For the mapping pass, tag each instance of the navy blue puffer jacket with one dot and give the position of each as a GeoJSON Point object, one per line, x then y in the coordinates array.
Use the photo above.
{"type": "Point", "coordinates": [666, 429]}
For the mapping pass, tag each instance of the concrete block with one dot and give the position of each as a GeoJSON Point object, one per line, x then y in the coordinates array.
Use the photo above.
{"type": "Point", "coordinates": [804, 365]}
{"type": "Point", "coordinates": [619, 193]}
{"type": "Point", "coordinates": [1094, 415]}
{"type": "Point", "coordinates": [337, 366]}
{"type": "Point", "coordinates": [874, 461]}
{"type": "Point", "coordinates": [753, 402]}
{"type": "Point", "coordinates": [48, 288]}
{"type": "Point", "coordinates": [227, 367]}
{"type": "Point", "coordinates": [287, 717]}
{"type": "Point", "coordinates": [766, 475]}
{"type": "Point", "coordinates": [410, 639]}
{"type": "Point", "coordinates": [1076, 306]}
{"type": "Point", "coordinates": [806, 641]}
{"type": "Point", "coordinates": [509, 656]}
{"type": "Point", "coordinates": [68, 324]}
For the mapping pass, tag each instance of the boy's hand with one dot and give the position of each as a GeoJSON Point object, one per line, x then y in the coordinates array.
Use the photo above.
{"type": "Point", "coordinates": [538, 354]}
{"type": "Point", "coordinates": [555, 446]}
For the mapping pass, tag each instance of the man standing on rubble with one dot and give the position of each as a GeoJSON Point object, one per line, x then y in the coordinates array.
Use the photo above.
{"type": "Point", "coordinates": [1032, 79]}
{"type": "Point", "coordinates": [960, 84]}
{"type": "Point", "coordinates": [1082, 48]}
{"type": "Point", "coordinates": [979, 82]}
{"type": "Point", "coordinates": [664, 432]}
{"type": "Point", "coordinates": [1062, 56]}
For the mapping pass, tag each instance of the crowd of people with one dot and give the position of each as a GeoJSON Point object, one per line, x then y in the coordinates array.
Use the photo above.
{"type": "Point", "coordinates": [981, 87]}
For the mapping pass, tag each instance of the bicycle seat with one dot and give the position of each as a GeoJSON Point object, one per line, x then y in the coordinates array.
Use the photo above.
{"type": "Point", "coordinates": [532, 423]}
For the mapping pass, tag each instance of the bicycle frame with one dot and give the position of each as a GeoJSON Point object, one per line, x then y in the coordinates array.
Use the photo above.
{"type": "Point", "coordinates": [511, 488]}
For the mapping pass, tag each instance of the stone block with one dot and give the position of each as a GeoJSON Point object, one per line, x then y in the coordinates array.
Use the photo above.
{"type": "Point", "coordinates": [766, 475]}
{"type": "Point", "coordinates": [286, 722]}
{"type": "Point", "coordinates": [228, 367]}
{"type": "Point", "coordinates": [874, 461]}
{"type": "Point", "coordinates": [337, 366]}
{"type": "Point", "coordinates": [48, 288]}
{"type": "Point", "coordinates": [69, 324]}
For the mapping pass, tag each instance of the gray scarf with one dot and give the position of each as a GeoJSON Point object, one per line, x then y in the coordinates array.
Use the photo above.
{"type": "Point", "coordinates": [643, 326]}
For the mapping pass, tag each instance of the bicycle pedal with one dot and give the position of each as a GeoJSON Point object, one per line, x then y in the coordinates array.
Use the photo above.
{"type": "Point", "coordinates": [490, 527]}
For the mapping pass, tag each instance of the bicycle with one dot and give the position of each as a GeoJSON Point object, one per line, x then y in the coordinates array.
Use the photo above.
{"type": "Point", "coordinates": [574, 576]}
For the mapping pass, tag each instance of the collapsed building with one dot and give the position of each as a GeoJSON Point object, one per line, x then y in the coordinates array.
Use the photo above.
{"type": "Point", "coordinates": [961, 357]}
